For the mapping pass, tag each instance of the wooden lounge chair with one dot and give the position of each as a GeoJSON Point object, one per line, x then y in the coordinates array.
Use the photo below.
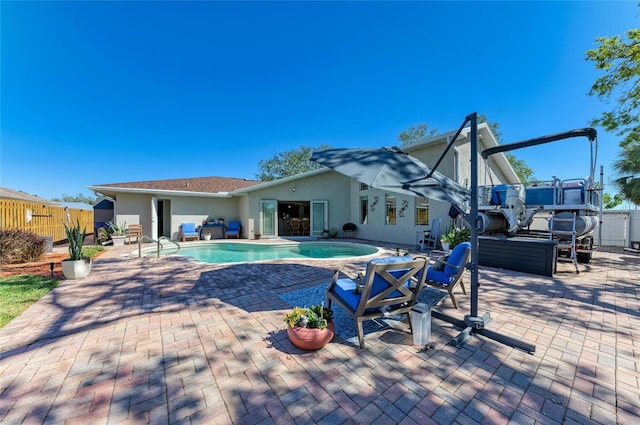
{"type": "Point", "coordinates": [233, 231]}
{"type": "Point", "coordinates": [446, 273]}
{"type": "Point", "coordinates": [390, 286]}
{"type": "Point", "coordinates": [188, 231]}
{"type": "Point", "coordinates": [134, 231]}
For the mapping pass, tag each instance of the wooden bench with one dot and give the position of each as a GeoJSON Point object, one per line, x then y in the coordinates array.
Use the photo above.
{"type": "Point", "coordinates": [134, 231]}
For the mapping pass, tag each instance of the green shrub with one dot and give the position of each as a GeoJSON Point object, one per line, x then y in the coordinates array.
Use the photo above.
{"type": "Point", "coordinates": [19, 246]}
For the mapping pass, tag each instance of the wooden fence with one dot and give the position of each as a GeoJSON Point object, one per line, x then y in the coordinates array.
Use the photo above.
{"type": "Point", "coordinates": [42, 219]}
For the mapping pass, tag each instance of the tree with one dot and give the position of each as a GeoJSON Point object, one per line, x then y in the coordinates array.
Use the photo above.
{"type": "Point", "coordinates": [619, 58]}
{"type": "Point", "coordinates": [419, 132]}
{"type": "Point", "coordinates": [289, 163]}
{"type": "Point", "coordinates": [77, 198]}
{"type": "Point", "coordinates": [416, 133]}
{"type": "Point", "coordinates": [610, 202]}
{"type": "Point", "coordinates": [523, 171]}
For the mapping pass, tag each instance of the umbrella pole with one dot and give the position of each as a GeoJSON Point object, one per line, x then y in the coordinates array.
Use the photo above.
{"type": "Point", "coordinates": [474, 324]}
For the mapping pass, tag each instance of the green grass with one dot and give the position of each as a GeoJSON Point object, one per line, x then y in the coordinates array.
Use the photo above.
{"type": "Point", "coordinates": [91, 250]}
{"type": "Point", "coordinates": [17, 293]}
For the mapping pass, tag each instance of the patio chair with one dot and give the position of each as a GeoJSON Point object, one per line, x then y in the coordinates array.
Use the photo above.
{"type": "Point", "coordinates": [296, 226]}
{"type": "Point", "coordinates": [349, 228]}
{"type": "Point", "coordinates": [233, 231]}
{"type": "Point", "coordinates": [134, 231]}
{"type": "Point", "coordinates": [386, 289]}
{"type": "Point", "coordinates": [446, 273]}
{"type": "Point", "coordinates": [187, 231]}
{"type": "Point", "coordinates": [429, 238]}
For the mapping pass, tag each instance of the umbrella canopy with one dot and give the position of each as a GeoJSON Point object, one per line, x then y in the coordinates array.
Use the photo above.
{"type": "Point", "coordinates": [394, 170]}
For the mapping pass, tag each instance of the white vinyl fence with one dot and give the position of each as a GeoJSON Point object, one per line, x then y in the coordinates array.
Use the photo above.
{"type": "Point", "coordinates": [620, 228]}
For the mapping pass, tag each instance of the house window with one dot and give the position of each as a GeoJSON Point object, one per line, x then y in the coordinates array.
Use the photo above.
{"type": "Point", "coordinates": [364, 186]}
{"type": "Point", "coordinates": [390, 201]}
{"type": "Point", "coordinates": [422, 211]}
{"type": "Point", "coordinates": [364, 208]}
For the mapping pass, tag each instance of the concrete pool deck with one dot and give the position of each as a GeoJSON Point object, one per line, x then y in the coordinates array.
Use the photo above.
{"type": "Point", "coordinates": [171, 341]}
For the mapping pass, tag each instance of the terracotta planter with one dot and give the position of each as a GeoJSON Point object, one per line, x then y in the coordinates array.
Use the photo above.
{"type": "Point", "coordinates": [76, 269]}
{"type": "Point", "coordinates": [310, 338]}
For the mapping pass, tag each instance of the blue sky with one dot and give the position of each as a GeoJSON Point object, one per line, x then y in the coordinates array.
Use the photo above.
{"type": "Point", "coordinates": [107, 92]}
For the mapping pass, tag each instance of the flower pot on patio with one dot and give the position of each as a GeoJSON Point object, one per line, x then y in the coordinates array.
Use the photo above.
{"type": "Point", "coordinates": [76, 269]}
{"type": "Point", "coordinates": [311, 338]}
{"type": "Point", "coordinates": [445, 246]}
{"type": "Point", "coordinates": [118, 240]}
{"type": "Point", "coordinates": [310, 328]}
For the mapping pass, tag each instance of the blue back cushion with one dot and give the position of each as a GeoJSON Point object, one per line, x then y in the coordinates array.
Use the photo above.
{"type": "Point", "coordinates": [234, 225]}
{"type": "Point", "coordinates": [345, 287]}
{"type": "Point", "coordinates": [456, 257]}
{"type": "Point", "coordinates": [188, 228]}
{"type": "Point", "coordinates": [379, 284]}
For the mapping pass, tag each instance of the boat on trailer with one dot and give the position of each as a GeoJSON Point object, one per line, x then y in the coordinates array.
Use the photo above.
{"type": "Point", "coordinates": [566, 211]}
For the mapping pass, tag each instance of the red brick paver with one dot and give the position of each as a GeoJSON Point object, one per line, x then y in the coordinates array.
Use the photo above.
{"type": "Point", "coordinates": [166, 340]}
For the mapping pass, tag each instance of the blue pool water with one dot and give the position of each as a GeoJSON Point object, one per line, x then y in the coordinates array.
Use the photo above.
{"type": "Point", "coordinates": [230, 252]}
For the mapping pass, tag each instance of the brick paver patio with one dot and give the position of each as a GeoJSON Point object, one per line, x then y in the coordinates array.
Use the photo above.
{"type": "Point", "coordinates": [170, 341]}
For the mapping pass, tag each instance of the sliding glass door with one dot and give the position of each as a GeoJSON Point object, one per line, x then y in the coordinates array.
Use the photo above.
{"type": "Point", "coordinates": [268, 218]}
{"type": "Point", "coordinates": [319, 217]}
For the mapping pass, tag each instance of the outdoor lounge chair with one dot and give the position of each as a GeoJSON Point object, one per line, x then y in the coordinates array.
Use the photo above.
{"type": "Point", "coordinates": [233, 231]}
{"type": "Point", "coordinates": [188, 231]}
{"type": "Point", "coordinates": [447, 272]}
{"type": "Point", "coordinates": [134, 231]}
{"type": "Point", "coordinates": [385, 289]}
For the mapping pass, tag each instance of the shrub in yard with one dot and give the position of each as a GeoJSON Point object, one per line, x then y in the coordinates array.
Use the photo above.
{"type": "Point", "coordinates": [19, 246]}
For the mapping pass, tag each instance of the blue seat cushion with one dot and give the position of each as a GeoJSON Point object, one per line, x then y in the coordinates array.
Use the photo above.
{"type": "Point", "coordinates": [345, 289]}
{"type": "Point", "coordinates": [456, 257]}
{"type": "Point", "coordinates": [438, 276]}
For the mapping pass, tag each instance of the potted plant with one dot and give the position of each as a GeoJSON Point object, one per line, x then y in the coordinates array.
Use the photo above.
{"type": "Point", "coordinates": [333, 233]}
{"type": "Point", "coordinates": [117, 232]}
{"type": "Point", "coordinates": [310, 328]}
{"type": "Point", "coordinates": [76, 266]}
{"type": "Point", "coordinates": [325, 233]}
{"type": "Point", "coordinates": [453, 237]}
{"type": "Point", "coordinates": [207, 236]}
{"type": "Point", "coordinates": [257, 235]}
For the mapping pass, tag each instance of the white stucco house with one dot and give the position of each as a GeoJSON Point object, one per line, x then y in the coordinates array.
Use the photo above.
{"type": "Point", "coordinates": [326, 198]}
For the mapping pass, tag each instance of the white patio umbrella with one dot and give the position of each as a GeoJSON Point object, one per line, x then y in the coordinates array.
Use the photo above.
{"type": "Point", "coordinates": [394, 170]}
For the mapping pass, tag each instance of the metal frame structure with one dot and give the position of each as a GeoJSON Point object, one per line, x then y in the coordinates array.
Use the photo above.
{"type": "Point", "coordinates": [473, 324]}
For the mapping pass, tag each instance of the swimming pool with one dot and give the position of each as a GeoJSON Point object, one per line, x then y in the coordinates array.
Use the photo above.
{"type": "Point", "coordinates": [239, 252]}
